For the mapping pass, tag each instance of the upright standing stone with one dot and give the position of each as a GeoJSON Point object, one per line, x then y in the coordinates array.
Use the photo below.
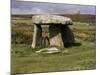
{"type": "Point", "coordinates": [37, 36]}
{"type": "Point", "coordinates": [67, 36]}
{"type": "Point", "coordinates": [55, 36]}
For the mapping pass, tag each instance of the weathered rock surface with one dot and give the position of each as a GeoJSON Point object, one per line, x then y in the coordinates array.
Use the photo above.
{"type": "Point", "coordinates": [49, 50]}
{"type": "Point", "coordinates": [55, 36]}
{"type": "Point", "coordinates": [37, 36]}
{"type": "Point", "coordinates": [51, 19]}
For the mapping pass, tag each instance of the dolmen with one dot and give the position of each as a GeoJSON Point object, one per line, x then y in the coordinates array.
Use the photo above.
{"type": "Point", "coordinates": [58, 33]}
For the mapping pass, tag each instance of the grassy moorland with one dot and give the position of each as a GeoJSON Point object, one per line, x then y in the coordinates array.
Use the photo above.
{"type": "Point", "coordinates": [25, 60]}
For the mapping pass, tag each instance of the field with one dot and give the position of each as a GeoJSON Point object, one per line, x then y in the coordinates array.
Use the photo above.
{"type": "Point", "coordinates": [79, 57]}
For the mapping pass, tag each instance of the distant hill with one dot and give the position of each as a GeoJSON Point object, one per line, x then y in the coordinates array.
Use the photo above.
{"type": "Point", "coordinates": [82, 17]}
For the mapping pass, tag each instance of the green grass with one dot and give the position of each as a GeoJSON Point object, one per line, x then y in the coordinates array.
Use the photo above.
{"type": "Point", "coordinates": [25, 60]}
{"type": "Point", "coordinates": [18, 21]}
{"type": "Point", "coordinates": [78, 58]}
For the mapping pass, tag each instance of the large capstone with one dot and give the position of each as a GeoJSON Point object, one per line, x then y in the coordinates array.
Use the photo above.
{"type": "Point", "coordinates": [51, 19]}
{"type": "Point", "coordinates": [59, 34]}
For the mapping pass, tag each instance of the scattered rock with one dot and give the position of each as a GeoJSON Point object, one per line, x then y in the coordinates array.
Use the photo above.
{"type": "Point", "coordinates": [49, 50]}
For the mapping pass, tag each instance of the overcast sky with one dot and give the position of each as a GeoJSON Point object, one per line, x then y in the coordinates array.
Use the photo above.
{"type": "Point", "coordinates": [28, 7]}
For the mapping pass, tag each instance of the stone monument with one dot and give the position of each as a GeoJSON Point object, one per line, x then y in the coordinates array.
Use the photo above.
{"type": "Point", "coordinates": [59, 34]}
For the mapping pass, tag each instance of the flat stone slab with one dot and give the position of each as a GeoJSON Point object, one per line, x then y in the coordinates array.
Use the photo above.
{"type": "Point", "coordinates": [51, 19]}
{"type": "Point", "coordinates": [49, 50]}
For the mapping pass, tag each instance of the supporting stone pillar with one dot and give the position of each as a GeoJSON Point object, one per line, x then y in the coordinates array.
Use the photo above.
{"type": "Point", "coordinates": [67, 36]}
{"type": "Point", "coordinates": [55, 36]}
{"type": "Point", "coordinates": [37, 36]}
